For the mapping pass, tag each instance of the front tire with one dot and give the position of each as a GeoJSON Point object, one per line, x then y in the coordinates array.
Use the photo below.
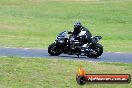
{"type": "Point", "coordinates": [53, 50]}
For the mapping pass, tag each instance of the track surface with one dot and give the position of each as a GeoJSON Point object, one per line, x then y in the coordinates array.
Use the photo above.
{"type": "Point", "coordinates": [106, 57]}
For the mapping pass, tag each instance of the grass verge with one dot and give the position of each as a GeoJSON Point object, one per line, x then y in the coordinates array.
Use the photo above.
{"type": "Point", "coordinates": [16, 72]}
{"type": "Point", "coordinates": [31, 23]}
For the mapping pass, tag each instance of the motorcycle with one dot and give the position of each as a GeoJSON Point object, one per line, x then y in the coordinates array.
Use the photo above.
{"type": "Point", "coordinates": [65, 43]}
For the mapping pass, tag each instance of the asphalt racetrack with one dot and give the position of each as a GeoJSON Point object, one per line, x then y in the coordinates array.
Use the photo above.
{"type": "Point", "coordinates": [42, 53]}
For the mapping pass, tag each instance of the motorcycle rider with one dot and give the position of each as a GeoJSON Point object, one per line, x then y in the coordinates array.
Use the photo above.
{"type": "Point", "coordinates": [81, 33]}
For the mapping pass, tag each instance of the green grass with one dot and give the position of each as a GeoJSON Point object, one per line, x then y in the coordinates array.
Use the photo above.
{"type": "Point", "coordinates": [36, 23]}
{"type": "Point", "coordinates": [16, 72]}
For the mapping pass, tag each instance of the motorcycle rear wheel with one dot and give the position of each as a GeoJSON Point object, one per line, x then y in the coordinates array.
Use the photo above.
{"type": "Point", "coordinates": [98, 48]}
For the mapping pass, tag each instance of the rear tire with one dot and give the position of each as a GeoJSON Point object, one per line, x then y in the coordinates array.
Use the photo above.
{"type": "Point", "coordinates": [53, 50]}
{"type": "Point", "coordinates": [98, 48]}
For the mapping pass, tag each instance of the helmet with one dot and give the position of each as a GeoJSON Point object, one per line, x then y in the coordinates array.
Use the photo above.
{"type": "Point", "coordinates": [77, 25]}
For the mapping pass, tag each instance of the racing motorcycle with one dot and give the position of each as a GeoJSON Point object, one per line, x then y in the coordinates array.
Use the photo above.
{"type": "Point", "coordinates": [66, 43]}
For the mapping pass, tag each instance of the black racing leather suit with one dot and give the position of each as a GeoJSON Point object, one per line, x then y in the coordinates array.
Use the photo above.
{"type": "Point", "coordinates": [86, 38]}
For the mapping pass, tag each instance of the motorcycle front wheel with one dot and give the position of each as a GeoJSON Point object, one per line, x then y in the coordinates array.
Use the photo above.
{"type": "Point", "coordinates": [53, 50]}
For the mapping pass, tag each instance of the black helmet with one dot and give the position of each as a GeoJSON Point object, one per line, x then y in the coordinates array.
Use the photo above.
{"type": "Point", "coordinates": [77, 25]}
